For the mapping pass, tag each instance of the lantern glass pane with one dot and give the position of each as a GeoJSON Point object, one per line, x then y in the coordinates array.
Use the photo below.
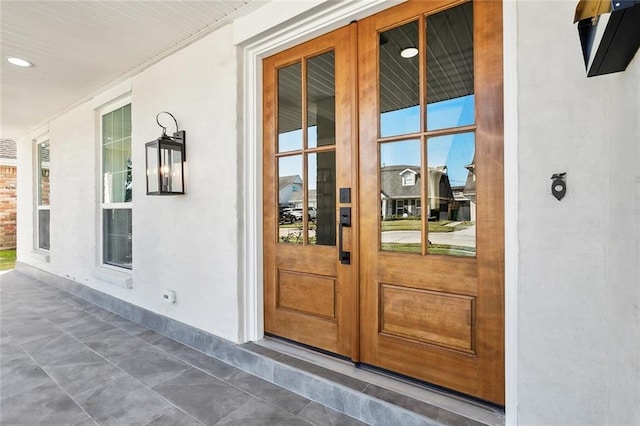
{"type": "Point", "coordinates": [170, 168]}
{"type": "Point", "coordinates": [152, 169]}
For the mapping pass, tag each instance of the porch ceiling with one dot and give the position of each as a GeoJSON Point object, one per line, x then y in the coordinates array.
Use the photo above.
{"type": "Point", "coordinates": [81, 47]}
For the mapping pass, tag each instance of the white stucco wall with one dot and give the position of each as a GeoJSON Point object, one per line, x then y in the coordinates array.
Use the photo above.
{"type": "Point", "coordinates": [579, 282]}
{"type": "Point", "coordinates": [188, 243]}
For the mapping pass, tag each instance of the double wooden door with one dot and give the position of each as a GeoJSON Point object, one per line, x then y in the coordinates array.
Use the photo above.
{"type": "Point", "coordinates": [383, 194]}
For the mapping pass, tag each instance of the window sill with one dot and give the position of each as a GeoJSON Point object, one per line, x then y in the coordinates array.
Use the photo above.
{"type": "Point", "coordinates": [120, 278]}
{"type": "Point", "coordinates": [40, 255]}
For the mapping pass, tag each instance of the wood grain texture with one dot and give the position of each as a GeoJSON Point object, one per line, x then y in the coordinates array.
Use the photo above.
{"type": "Point", "coordinates": [306, 293]}
{"type": "Point", "coordinates": [420, 341]}
{"type": "Point", "coordinates": [301, 305]}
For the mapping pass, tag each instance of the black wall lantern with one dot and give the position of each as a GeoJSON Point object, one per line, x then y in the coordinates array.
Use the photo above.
{"type": "Point", "coordinates": [165, 159]}
{"type": "Point", "coordinates": [609, 34]}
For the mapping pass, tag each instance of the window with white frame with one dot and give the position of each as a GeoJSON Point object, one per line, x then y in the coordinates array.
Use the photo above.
{"type": "Point", "coordinates": [43, 207]}
{"type": "Point", "coordinates": [116, 183]}
{"type": "Point", "coordinates": [409, 179]}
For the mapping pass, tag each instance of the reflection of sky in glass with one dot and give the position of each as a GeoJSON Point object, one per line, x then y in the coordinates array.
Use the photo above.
{"type": "Point", "coordinates": [454, 112]}
{"type": "Point", "coordinates": [291, 166]}
{"type": "Point", "coordinates": [400, 122]}
{"type": "Point", "coordinates": [454, 151]}
{"type": "Point", "coordinates": [405, 153]}
{"type": "Point", "coordinates": [312, 136]}
{"type": "Point", "coordinates": [290, 141]}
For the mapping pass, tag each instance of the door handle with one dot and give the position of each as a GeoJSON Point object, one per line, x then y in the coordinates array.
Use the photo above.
{"type": "Point", "coordinates": [345, 221]}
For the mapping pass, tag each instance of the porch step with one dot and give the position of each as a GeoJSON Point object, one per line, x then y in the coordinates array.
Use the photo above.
{"type": "Point", "coordinates": [370, 397]}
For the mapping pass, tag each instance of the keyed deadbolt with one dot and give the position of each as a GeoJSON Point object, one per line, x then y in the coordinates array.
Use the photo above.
{"type": "Point", "coordinates": [559, 186]}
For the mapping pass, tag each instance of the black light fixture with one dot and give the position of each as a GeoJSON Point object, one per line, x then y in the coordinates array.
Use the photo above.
{"type": "Point", "coordinates": [165, 159]}
{"type": "Point", "coordinates": [609, 34]}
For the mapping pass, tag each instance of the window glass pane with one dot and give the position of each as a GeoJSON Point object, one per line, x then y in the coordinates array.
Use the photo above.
{"type": "Point", "coordinates": [116, 156]}
{"type": "Point", "coordinates": [321, 210]}
{"type": "Point", "coordinates": [43, 174]}
{"type": "Point", "coordinates": [321, 114]}
{"type": "Point", "coordinates": [117, 237]}
{"type": "Point", "coordinates": [43, 229]}
{"type": "Point", "coordinates": [450, 98]}
{"type": "Point", "coordinates": [451, 190]}
{"type": "Point", "coordinates": [401, 227]}
{"type": "Point", "coordinates": [290, 197]}
{"type": "Point", "coordinates": [399, 81]}
{"type": "Point", "coordinates": [290, 108]}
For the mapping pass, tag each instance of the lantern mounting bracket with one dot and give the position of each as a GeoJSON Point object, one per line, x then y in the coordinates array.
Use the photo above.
{"type": "Point", "coordinates": [178, 136]}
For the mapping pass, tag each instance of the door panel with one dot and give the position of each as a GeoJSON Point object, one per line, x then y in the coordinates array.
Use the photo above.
{"type": "Point", "coordinates": [431, 268]}
{"type": "Point", "coordinates": [308, 107]}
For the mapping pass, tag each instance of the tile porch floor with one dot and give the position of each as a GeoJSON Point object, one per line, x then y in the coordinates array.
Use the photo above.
{"type": "Point", "coordinates": [65, 361]}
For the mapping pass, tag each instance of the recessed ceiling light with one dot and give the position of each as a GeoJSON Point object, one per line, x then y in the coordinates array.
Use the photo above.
{"type": "Point", "coordinates": [409, 52]}
{"type": "Point", "coordinates": [20, 62]}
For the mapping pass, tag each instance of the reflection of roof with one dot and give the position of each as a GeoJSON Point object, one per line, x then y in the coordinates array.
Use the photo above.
{"type": "Point", "coordinates": [391, 182]}
{"type": "Point", "coordinates": [283, 181]}
{"type": "Point", "coordinates": [297, 196]}
{"type": "Point", "coordinates": [7, 149]}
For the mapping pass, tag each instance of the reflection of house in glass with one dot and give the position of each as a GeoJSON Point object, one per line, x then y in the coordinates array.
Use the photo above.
{"type": "Point", "coordinates": [297, 202]}
{"type": "Point", "coordinates": [289, 185]}
{"type": "Point", "coordinates": [465, 197]}
{"type": "Point", "coordinates": [401, 186]}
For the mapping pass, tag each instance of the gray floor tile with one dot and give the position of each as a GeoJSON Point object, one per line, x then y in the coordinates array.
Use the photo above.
{"type": "Point", "coordinates": [162, 342]}
{"type": "Point", "coordinates": [152, 366]}
{"type": "Point", "coordinates": [206, 363]}
{"type": "Point", "coordinates": [202, 396]}
{"type": "Point", "coordinates": [403, 401]}
{"type": "Point", "coordinates": [269, 392]}
{"type": "Point", "coordinates": [126, 325]}
{"type": "Point", "coordinates": [52, 349]}
{"type": "Point", "coordinates": [20, 375]}
{"type": "Point", "coordinates": [99, 312]}
{"type": "Point", "coordinates": [88, 325]}
{"type": "Point", "coordinates": [61, 315]}
{"type": "Point", "coordinates": [44, 405]}
{"type": "Point", "coordinates": [82, 371]}
{"type": "Point", "coordinates": [332, 376]}
{"type": "Point", "coordinates": [320, 415]}
{"type": "Point", "coordinates": [123, 401]}
{"type": "Point", "coordinates": [257, 413]}
{"type": "Point", "coordinates": [115, 344]}
{"type": "Point", "coordinates": [28, 331]}
{"type": "Point", "coordinates": [175, 417]}
{"type": "Point", "coordinates": [10, 350]}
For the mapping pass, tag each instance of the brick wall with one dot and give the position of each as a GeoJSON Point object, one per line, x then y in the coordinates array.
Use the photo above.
{"type": "Point", "coordinates": [7, 207]}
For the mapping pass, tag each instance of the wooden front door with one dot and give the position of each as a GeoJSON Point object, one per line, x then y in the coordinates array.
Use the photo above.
{"type": "Point", "coordinates": [310, 295]}
{"type": "Point", "coordinates": [415, 131]}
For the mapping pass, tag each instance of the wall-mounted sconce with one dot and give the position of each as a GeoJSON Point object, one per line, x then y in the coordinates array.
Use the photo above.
{"type": "Point", "coordinates": [165, 159]}
{"type": "Point", "coordinates": [609, 34]}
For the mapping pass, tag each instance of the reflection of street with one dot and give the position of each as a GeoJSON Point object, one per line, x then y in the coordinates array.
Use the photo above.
{"type": "Point", "coordinates": [464, 237]}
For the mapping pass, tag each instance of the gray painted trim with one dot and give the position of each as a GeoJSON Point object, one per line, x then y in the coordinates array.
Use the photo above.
{"type": "Point", "coordinates": [337, 391]}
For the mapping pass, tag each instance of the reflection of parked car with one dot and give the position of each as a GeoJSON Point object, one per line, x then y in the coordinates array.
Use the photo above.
{"type": "Point", "coordinates": [290, 215]}
{"type": "Point", "coordinates": [286, 216]}
{"type": "Point", "coordinates": [296, 214]}
{"type": "Point", "coordinates": [313, 213]}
